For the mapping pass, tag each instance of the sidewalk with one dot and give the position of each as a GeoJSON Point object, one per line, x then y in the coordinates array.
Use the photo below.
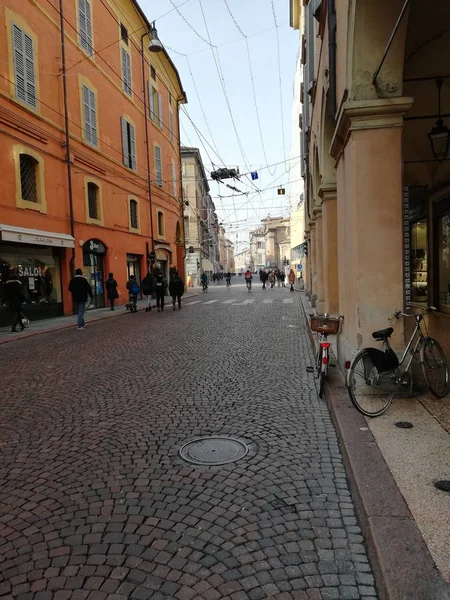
{"type": "Point", "coordinates": [68, 322]}
{"type": "Point", "coordinates": [391, 472]}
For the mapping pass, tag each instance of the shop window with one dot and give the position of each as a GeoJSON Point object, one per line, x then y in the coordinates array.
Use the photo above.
{"type": "Point", "coordinates": [93, 201]}
{"type": "Point", "coordinates": [160, 224]}
{"type": "Point", "coordinates": [28, 178]}
{"type": "Point", "coordinates": [419, 262]}
{"type": "Point", "coordinates": [134, 220]}
{"type": "Point", "coordinates": [24, 68]}
{"type": "Point", "coordinates": [443, 255]}
{"type": "Point", "coordinates": [85, 25]}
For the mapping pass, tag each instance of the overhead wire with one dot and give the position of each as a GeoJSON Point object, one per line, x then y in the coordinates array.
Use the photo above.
{"type": "Point", "coordinates": [279, 78]}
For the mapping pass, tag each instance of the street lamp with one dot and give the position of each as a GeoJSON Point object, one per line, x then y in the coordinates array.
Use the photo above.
{"type": "Point", "coordinates": [155, 43]}
{"type": "Point", "coordinates": [439, 136]}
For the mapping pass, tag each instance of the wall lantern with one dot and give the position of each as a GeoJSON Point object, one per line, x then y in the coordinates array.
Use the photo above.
{"type": "Point", "coordinates": [439, 136]}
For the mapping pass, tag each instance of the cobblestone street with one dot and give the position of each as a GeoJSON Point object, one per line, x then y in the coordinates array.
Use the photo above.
{"type": "Point", "coordinates": [97, 504]}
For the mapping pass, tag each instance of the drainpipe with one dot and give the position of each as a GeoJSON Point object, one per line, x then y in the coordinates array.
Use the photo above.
{"type": "Point", "coordinates": [332, 58]}
{"type": "Point", "coordinates": [149, 180]}
{"type": "Point", "coordinates": [67, 135]}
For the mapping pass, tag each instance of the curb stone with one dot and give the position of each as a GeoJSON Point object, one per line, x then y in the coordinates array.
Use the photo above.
{"type": "Point", "coordinates": [402, 564]}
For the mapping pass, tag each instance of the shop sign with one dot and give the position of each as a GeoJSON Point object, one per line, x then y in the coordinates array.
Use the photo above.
{"type": "Point", "coordinates": [29, 271]}
{"type": "Point", "coordinates": [38, 240]}
{"type": "Point", "coordinates": [407, 250]}
{"type": "Point", "coordinates": [94, 247]}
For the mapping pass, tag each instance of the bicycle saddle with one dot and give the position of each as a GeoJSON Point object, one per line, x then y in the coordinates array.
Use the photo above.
{"type": "Point", "coordinates": [383, 334]}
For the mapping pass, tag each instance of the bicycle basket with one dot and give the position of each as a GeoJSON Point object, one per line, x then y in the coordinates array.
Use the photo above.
{"type": "Point", "coordinates": [333, 323]}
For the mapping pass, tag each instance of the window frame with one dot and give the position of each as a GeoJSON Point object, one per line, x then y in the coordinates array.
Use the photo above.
{"type": "Point", "coordinates": [128, 143]}
{"type": "Point", "coordinates": [127, 71]}
{"type": "Point", "coordinates": [41, 204]}
{"type": "Point", "coordinates": [152, 102]}
{"type": "Point", "coordinates": [90, 138]}
{"type": "Point", "coordinates": [158, 175]}
{"type": "Point", "coordinates": [26, 34]}
{"type": "Point", "coordinates": [89, 35]}
{"type": "Point", "coordinates": [161, 231]}
{"type": "Point", "coordinates": [100, 216]}
{"type": "Point", "coordinates": [174, 178]}
{"type": "Point", "coordinates": [137, 229]}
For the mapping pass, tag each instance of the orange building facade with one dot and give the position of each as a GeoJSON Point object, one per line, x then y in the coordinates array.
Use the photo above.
{"type": "Point", "coordinates": [89, 150]}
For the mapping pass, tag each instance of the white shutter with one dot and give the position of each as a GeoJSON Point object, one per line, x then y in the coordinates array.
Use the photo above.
{"type": "Point", "coordinates": [125, 145]}
{"type": "Point", "coordinates": [85, 24]}
{"type": "Point", "coordinates": [174, 179]}
{"type": "Point", "coordinates": [151, 102]}
{"type": "Point", "coordinates": [24, 72]}
{"type": "Point", "coordinates": [158, 169]}
{"type": "Point", "coordinates": [88, 27]}
{"type": "Point", "coordinates": [87, 114]}
{"type": "Point", "coordinates": [126, 72]}
{"type": "Point", "coordinates": [160, 110]}
{"type": "Point", "coordinates": [132, 147]}
{"type": "Point", "coordinates": [171, 125]}
{"type": "Point", "coordinates": [93, 113]}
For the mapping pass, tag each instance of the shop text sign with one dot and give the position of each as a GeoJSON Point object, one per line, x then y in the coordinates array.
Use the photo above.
{"type": "Point", "coordinates": [38, 240]}
{"type": "Point", "coordinates": [29, 271]}
{"type": "Point", "coordinates": [407, 252]}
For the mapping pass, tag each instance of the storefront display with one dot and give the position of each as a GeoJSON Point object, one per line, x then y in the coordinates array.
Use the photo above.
{"type": "Point", "coordinates": [419, 263]}
{"type": "Point", "coordinates": [444, 262]}
{"type": "Point", "coordinates": [38, 268]}
{"type": "Point", "coordinates": [94, 271]}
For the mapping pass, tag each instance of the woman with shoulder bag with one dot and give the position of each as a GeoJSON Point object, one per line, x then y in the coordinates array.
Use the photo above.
{"type": "Point", "coordinates": [111, 290]}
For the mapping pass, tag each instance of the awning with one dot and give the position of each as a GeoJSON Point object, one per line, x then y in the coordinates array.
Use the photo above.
{"type": "Point", "coordinates": [9, 233]}
{"type": "Point", "coordinates": [207, 265]}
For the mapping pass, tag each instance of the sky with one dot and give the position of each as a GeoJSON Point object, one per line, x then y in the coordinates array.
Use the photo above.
{"type": "Point", "coordinates": [205, 39]}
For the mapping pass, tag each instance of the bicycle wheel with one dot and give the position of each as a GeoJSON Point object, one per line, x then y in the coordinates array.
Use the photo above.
{"type": "Point", "coordinates": [434, 367]}
{"type": "Point", "coordinates": [322, 373]}
{"type": "Point", "coordinates": [365, 387]}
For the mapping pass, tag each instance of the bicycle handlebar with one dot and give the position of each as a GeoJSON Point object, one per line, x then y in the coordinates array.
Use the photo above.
{"type": "Point", "coordinates": [399, 314]}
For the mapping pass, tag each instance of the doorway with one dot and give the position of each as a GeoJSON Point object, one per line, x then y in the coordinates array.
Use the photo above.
{"type": "Point", "coordinates": [94, 271]}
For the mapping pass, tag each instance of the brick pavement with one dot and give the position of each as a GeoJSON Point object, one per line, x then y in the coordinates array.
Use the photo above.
{"type": "Point", "coordinates": [95, 502]}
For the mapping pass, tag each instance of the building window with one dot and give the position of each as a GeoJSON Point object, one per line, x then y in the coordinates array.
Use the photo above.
{"type": "Point", "coordinates": [134, 221]}
{"type": "Point", "coordinates": [160, 111]}
{"type": "Point", "coordinates": [259, 245]}
{"type": "Point", "coordinates": [160, 224]}
{"type": "Point", "coordinates": [174, 179]}
{"type": "Point", "coordinates": [172, 136]}
{"type": "Point", "coordinates": [28, 178]}
{"type": "Point", "coordinates": [419, 260]}
{"type": "Point", "coordinates": [85, 25]}
{"type": "Point", "coordinates": [443, 256]}
{"type": "Point", "coordinates": [153, 73]}
{"type": "Point", "coordinates": [92, 191]}
{"type": "Point", "coordinates": [158, 166]}
{"type": "Point", "coordinates": [24, 70]}
{"type": "Point", "coordinates": [128, 144]}
{"type": "Point", "coordinates": [124, 33]}
{"type": "Point", "coordinates": [152, 101]}
{"type": "Point", "coordinates": [126, 72]}
{"type": "Point", "coordinates": [89, 116]}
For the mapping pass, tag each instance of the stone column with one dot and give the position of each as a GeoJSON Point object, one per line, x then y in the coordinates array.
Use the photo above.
{"type": "Point", "coordinates": [328, 193]}
{"type": "Point", "coordinates": [312, 227]}
{"type": "Point", "coordinates": [319, 260]}
{"type": "Point", "coordinates": [369, 136]}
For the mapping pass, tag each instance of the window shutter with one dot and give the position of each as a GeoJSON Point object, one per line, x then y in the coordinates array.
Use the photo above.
{"type": "Point", "coordinates": [87, 115]}
{"type": "Point", "coordinates": [158, 165]}
{"type": "Point", "coordinates": [24, 67]}
{"type": "Point", "coordinates": [125, 145]}
{"type": "Point", "coordinates": [126, 72]}
{"type": "Point", "coordinates": [93, 113]}
{"type": "Point", "coordinates": [85, 23]}
{"type": "Point", "coordinates": [310, 40]}
{"type": "Point", "coordinates": [171, 125]}
{"type": "Point", "coordinates": [132, 147]}
{"type": "Point", "coordinates": [160, 110]}
{"type": "Point", "coordinates": [151, 101]}
{"type": "Point", "coordinates": [174, 179]}
{"type": "Point", "coordinates": [88, 27]}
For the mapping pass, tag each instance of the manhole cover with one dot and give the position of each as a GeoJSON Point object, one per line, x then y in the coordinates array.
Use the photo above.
{"type": "Point", "coordinates": [443, 485]}
{"type": "Point", "coordinates": [404, 425]}
{"type": "Point", "coordinates": [215, 450]}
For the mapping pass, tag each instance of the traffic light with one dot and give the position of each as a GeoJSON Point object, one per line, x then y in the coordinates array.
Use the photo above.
{"type": "Point", "coordinates": [281, 191]}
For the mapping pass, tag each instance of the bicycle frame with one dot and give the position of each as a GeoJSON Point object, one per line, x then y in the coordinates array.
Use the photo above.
{"type": "Point", "coordinates": [417, 329]}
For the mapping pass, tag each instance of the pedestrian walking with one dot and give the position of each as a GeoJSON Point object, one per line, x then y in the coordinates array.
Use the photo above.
{"type": "Point", "coordinates": [160, 289]}
{"type": "Point", "coordinates": [176, 290]}
{"type": "Point", "coordinates": [147, 290]}
{"type": "Point", "coordinates": [133, 291]}
{"type": "Point", "coordinates": [291, 280]}
{"type": "Point", "coordinates": [111, 290]}
{"type": "Point", "coordinates": [80, 289]}
{"type": "Point", "coordinates": [283, 278]}
{"type": "Point", "coordinates": [263, 277]}
{"type": "Point", "coordinates": [271, 279]}
{"type": "Point", "coordinates": [15, 297]}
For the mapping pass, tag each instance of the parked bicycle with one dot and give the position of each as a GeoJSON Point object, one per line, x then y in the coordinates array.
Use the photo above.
{"type": "Point", "coordinates": [375, 376]}
{"type": "Point", "coordinates": [323, 325]}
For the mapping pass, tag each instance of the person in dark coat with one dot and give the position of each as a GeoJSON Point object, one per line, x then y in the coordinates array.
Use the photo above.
{"type": "Point", "coordinates": [147, 289]}
{"type": "Point", "coordinates": [176, 289]}
{"type": "Point", "coordinates": [15, 296]}
{"type": "Point", "coordinates": [111, 290]}
{"type": "Point", "coordinates": [160, 289]}
{"type": "Point", "coordinates": [80, 289]}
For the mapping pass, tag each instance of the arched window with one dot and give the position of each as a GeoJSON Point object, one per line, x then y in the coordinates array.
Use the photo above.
{"type": "Point", "coordinates": [134, 221]}
{"type": "Point", "coordinates": [160, 224]}
{"type": "Point", "coordinates": [93, 208]}
{"type": "Point", "coordinates": [28, 178]}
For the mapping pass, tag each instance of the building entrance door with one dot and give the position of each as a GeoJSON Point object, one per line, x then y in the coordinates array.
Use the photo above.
{"type": "Point", "coordinates": [94, 270]}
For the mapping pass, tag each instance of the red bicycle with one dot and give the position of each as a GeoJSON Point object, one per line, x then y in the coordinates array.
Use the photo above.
{"type": "Point", "coordinates": [323, 325]}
